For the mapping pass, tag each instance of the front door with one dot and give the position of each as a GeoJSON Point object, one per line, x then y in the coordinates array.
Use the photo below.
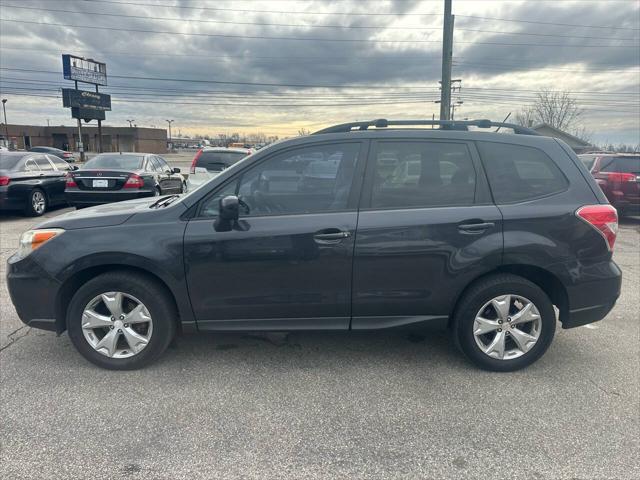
{"type": "Point", "coordinates": [288, 264]}
{"type": "Point", "coordinates": [427, 228]}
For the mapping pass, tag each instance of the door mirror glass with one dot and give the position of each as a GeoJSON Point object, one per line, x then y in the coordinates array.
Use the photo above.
{"type": "Point", "coordinates": [175, 170]}
{"type": "Point", "coordinates": [229, 213]}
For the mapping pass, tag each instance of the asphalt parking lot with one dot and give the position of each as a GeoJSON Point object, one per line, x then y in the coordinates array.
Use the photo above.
{"type": "Point", "coordinates": [387, 404]}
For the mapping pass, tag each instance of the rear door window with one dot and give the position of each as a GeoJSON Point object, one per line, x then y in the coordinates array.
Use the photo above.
{"type": "Point", "coordinates": [43, 163]}
{"type": "Point", "coordinates": [419, 174]}
{"type": "Point", "coordinates": [154, 164]}
{"type": "Point", "coordinates": [215, 161]}
{"type": "Point", "coordinates": [518, 173]}
{"type": "Point", "coordinates": [60, 164]}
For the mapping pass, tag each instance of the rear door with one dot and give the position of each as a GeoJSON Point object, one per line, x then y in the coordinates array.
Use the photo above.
{"type": "Point", "coordinates": [61, 169]}
{"type": "Point", "coordinates": [427, 227]}
{"type": "Point", "coordinates": [288, 263]}
{"type": "Point", "coordinates": [160, 174]}
{"type": "Point", "coordinates": [53, 181]}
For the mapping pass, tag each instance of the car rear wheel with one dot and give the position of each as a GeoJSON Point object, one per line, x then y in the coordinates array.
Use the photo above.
{"type": "Point", "coordinates": [504, 323]}
{"type": "Point", "coordinates": [36, 203]}
{"type": "Point", "coordinates": [121, 320]}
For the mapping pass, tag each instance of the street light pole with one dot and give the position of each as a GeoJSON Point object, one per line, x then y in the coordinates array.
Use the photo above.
{"type": "Point", "coordinates": [6, 126]}
{"type": "Point", "coordinates": [170, 140]}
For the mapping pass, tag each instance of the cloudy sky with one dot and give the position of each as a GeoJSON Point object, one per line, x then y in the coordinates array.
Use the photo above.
{"type": "Point", "coordinates": [276, 66]}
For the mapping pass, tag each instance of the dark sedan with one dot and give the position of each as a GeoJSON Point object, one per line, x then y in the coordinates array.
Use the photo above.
{"type": "Point", "coordinates": [113, 177]}
{"type": "Point", "coordinates": [31, 182]}
{"type": "Point", "coordinates": [67, 156]}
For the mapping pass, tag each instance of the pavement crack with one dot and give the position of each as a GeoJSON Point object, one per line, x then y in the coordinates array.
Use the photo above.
{"type": "Point", "coordinates": [603, 389]}
{"type": "Point", "coordinates": [16, 335]}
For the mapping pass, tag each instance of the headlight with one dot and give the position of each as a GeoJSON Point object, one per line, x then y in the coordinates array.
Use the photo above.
{"type": "Point", "coordinates": [32, 239]}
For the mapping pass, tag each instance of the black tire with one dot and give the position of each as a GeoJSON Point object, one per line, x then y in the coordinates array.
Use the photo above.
{"type": "Point", "coordinates": [184, 187]}
{"type": "Point", "coordinates": [153, 295]}
{"type": "Point", "coordinates": [157, 192]}
{"type": "Point", "coordinates": [29, 208]}
{"type": "Point", "coordinates": [482, 292]}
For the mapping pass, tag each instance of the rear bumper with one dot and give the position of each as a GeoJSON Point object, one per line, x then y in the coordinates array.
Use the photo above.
{"type": "Point", "coordinates": [27, 281]}
{"type": "Point", "coordinates": [84, 197]}
{"type": "Point", "coordinates": [10, 202]}
{"type": "Point", "coordinates": [592, 300]}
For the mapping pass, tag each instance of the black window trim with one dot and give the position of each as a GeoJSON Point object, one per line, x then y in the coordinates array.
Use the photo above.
{"type": "Point", "coordinates": [482, 195]}
{"type": "Point", "coordinates": [530, 199]}
{"type": "Point", "coordinates": [354, 195]}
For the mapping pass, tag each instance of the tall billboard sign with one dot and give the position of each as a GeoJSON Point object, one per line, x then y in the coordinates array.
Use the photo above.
{"type": "Point", "coordinates": [84, 70]}
{"type": "Point", "coordinates": [85, 105]}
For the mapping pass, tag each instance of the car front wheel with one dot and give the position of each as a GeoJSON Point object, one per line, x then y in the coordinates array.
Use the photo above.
{"type": "Point", "coordinates": [504, 323]}
{"type": "Point", "coordinates": [121, 320]}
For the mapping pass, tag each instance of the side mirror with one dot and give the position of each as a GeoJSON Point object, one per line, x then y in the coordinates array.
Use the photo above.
{"type": "Point", "coordinates": [175, 170]}
{"type": "Point", "coordinates": [74, 167]}
{"type": "Point", "coordinates": [228, 213]}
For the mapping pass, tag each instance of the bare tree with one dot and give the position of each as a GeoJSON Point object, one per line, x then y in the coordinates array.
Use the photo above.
{"type": "Point", "coordinates": [303, 131]}
{"type": "Point", "coordinates": [558, 109]}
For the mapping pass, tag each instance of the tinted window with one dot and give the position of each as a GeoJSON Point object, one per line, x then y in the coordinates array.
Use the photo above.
{"type": "Point", "coordinates": [8, 161]}
{"type": "Point", "coordinates": [517, 173]}
{"type": "Point", "coordinates": [216, 161]}
{"type": "Point", "coordinates": [164, 166]}
{"type": "Point", "coordinates": [305, 180]}
{"type": "Point", "coordinates": [154, 164]}
{"type": "Point", "coordinates": [588, 160]}
{"type": "Point", "coordinates": [125, 162]}
{"type": "Point", "coordinates": [43, 163]}
{"type": "Point", "coordinates": [621, 165]}
{"type": "Point", "coordinates": [59, 163]}
{"type": "Point", "coordinates": [422, 174]}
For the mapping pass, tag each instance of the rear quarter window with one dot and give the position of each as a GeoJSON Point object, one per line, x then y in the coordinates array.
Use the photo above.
{"type": "Point", "coordinates": [517, 173]}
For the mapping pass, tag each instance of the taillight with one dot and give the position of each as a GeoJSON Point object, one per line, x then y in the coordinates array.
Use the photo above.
{"type": "Point", "coordinates": [67, 154]}
{"type": "Point", "coordinates": [134, 181]}
{"type": "Point", "coordinates": [4, 181]}
{"type": "Point", "coordinates": [620, 177]}
{"type": "Point", "coordinates": [70, 181]}
{"type": "Point", "coordinates": [195, 161]}
{"type": "Point", "coordinates": [604, 218]}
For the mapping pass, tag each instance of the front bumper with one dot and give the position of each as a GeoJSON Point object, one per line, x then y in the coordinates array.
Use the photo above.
{"type": "Point", "coordinates": [87, 198]}
{"type": "Point", "coordinates": [33, 293]}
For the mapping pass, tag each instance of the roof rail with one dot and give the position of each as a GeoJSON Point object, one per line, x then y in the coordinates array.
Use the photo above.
{"type": "Point", "coordinates": [444, 125]}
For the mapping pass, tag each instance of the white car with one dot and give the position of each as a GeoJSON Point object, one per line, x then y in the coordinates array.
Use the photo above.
{"type": "Point", "coordinates": [210, 161]}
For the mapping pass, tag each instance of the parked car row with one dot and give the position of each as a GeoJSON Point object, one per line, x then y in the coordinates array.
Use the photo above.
{"type": "Point", "coordinates": [33, 181]}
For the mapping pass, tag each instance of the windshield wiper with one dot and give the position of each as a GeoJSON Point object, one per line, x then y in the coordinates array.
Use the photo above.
{"type": "Point", "coordinates": [164, 201]}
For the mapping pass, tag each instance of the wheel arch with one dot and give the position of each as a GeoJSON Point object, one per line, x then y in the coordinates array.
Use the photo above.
{"type": "Point", "coordinates": [547, 281]}
{"type": "Point", "coordinates": [71, 284]}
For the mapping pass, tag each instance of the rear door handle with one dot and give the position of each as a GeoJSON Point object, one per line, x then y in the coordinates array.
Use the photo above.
{"type": "Point", "coordinates": [330, 235]}
{"type": "Point", "coordinates": [475, 227]}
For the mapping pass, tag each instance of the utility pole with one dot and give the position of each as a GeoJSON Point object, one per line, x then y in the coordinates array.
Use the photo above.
{"type": "Point", "coordinates": [447, 54]}
{"type": "Point", "coordinates": [6, 126]}
{"type": "Point", "coordinates": [99, 130]}
{"type": "Point", "coordinates": [170, 141]}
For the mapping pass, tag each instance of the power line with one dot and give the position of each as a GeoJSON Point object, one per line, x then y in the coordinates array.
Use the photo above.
{"type": "Point", "coordinates": [376, 27]}
{"type": "Point", "coordinates": [365, 14]}
{"type": "Point", "coordinates": [315, 39]}
{"type": "Point", "coordinates": [297, 85]}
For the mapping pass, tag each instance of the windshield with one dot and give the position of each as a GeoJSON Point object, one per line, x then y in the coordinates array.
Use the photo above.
{"type": "Point", "coordinates": [124, 162]}
{"type": "Point", "coordinates": [8, 161]}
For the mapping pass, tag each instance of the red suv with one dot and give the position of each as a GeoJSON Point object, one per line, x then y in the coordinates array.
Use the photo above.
{"type": "Point", "coordinates": [618, 175]}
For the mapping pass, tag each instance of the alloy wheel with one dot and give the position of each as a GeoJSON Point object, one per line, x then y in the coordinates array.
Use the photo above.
{"type": "Point", "coordinates": [117, 324]}
{"type": "Point", "coordinates": [38, 202]}
{"type": "Point", "coordinates": [507, 327]}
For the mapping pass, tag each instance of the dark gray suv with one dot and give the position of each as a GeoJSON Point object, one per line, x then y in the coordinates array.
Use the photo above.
{"type": "Point", "coordinates": [359, 226]}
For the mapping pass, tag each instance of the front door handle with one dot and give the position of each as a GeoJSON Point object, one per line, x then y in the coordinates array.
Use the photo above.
{"type": "Point", "coordinates": [330, 235]}
{"type": "Point", "coordinates": [475, 228]}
